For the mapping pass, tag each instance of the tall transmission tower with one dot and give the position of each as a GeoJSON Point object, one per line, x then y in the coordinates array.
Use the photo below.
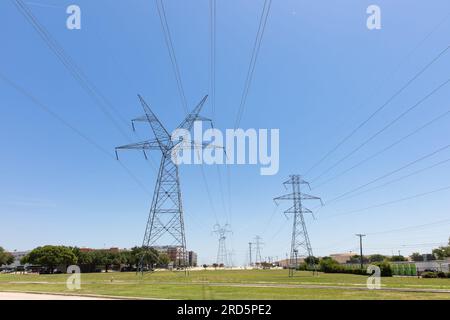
{"type": "Point", "coordinates": [222, 254]}
{"type": "Point", "coordinates": [165, 224]}
{"type": "Point", "coordinates": [258, 245]}
{"type": "Point", "coordinates": [300, 244]}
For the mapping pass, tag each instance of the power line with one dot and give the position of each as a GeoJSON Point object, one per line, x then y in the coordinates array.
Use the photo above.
{"type": "Point", "coordinates": [99, 99]}
{"type": "Point", "coordinates": [391, 173]}
{"type": "Point", "coordinates": [254, 58]}
{"type": "Point", "coordinates": [378, 110]}
{"type": "Point", "coordinates": [425, 225]}
{"type": "Point", "coordinates": [390, 124]}
{"type": "Point", "coordinates": [43, 107]}
{"type": "Point", "coordinates": [172, 55]}
{"type": "Point", "coordinates": [427, 124]}
{"type": "Point", "coordinates": [396, 180]}
{"type": "Point", "coordinates": [390, 202]}
{"type": "Point", "coordinates": [212, 4]}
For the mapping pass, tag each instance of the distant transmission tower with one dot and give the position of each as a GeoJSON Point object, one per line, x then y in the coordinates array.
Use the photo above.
{"type": "Point", "coordinates": [300, 244]}
{"type": "Point", "coordinates": [165, 225]}
{"type": "Point", "coordinates": [250, 262]}
{"type": "Point", "coordinates": [222, 254]}
{"type": "Point", "coordinates": [258, 245]}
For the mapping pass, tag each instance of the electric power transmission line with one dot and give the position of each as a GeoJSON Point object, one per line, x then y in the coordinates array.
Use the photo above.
{"type": "Point", "coordinates": [376, 154]}
{"type": "Point", "coordinates": [419, 195]}
{"type": "Point", "coordinates": [98, 98]}
{"type": "Point", "coordinates": [173, 58]}
{"type": "Point", "coordinates": [378, 110]}
{"type": "Point", "coordinates": [222, 253]}
{"type": "Point", "coordinates": [300, 244]}
{"type": "Point", "coordinates": [251, 68]}
{"type": "Point", "coordinates": [389, 173]}
{"type": "Point", "coordinates": [395, 180]}
{"type": "Point", "coordinates": [390, 124]}
{"type": "Point", "coordinates": [165, 221]}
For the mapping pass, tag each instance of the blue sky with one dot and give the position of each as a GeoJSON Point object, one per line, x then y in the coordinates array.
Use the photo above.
{"type": "Point", "coordinates": [320, 73]}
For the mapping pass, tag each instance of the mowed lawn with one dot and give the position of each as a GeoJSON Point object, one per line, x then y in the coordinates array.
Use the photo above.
{"type": "Point", "coordinates": [231, 284]}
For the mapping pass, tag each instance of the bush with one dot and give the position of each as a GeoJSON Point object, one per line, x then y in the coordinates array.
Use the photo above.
{"type": "Point", "coordinates": [385, 268]}
{"type": "Point", "coordinates": [332, 266]}
{"type": "Point", "coordinates": [429, 274]}
{"type": "Point", "coordinates": [435, 274]}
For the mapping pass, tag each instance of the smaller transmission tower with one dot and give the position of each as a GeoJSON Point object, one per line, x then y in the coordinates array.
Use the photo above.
{"type": "Point", "coordinates": [222, 254]}
{"type": "Point", "coordinates": [300, 244]}
{"type": "Point", "coordinates": [250, 254]}
{"type": "Point", "coordinates": [258, 245]}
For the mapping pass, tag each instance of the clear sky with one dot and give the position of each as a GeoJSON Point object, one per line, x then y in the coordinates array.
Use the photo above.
{"type": "Point", "coordinates": [319, 74]}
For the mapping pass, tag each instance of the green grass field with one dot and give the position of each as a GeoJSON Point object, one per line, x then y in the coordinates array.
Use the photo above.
{"type": "Point", "coordinates": [232, 284]}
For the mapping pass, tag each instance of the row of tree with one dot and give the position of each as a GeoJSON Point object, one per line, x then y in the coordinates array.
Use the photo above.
{"type": "Point", "coordinates": [51, 257]}
{"type": "Point", "coordinates": [5, 257]}
{"type": "Point", "coordinates": [440, 253]}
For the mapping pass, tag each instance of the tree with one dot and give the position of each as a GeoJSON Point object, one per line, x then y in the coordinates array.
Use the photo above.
{"type": "Point", "coordinates": [327, 264]}
{"type": "Point", "coordinates": [163, 259]}
{"type": "Point", "coordinates": [397, 258]}
{"type": "Point", "coordinates": [377, 258]}
{"type": "Point", "coordinates": [442, 252]}
{"type": "Point", "coordinates": [5, 257]}
{"type": "Point", "coordinates": [357, 259]}
{"type": "Point", "coordinates": [312, 260]}
{"type": "Point", "coordinates": [416, 257]}
{"type": "Point", "coordinates": [50, 257]}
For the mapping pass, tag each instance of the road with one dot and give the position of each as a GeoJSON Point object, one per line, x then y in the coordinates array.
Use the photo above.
{"type": "Point", "coordinates": [35, 296]}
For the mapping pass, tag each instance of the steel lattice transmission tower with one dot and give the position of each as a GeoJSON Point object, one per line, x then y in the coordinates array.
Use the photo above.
{"type": "Point", "coordinates": [165, 225]}
{"type": "Point", "coordinates": [222, 253]}
{"type": "Point", "coordinates": [300, 244]}
{"type": "Point", "coordinates": [258, 245]}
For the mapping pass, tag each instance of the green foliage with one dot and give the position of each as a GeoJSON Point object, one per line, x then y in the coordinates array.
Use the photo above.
{"type": "Point", "coordinates": [416, 257]}
{"type": "Point", "coordinates": [442, 252]}
{"type": "Point", "coordinates": [377, 258]}
{"type": "Point", "coordinates": [397, 258]}
{"type": "Point", "coordinates": [50, 256]}
{"type": "Point", "coordinates": [385, 268]}
{"type": "Point", "coordinates": [5, 257]}
{"type": "Point", "coordinates": [435, 274]}
{"type": "Point", "coordinates": [329, 265]}
{"type": "Point", "coordinates": [357, 259]}
{"type": "Point", "coordinates": [312, 260]}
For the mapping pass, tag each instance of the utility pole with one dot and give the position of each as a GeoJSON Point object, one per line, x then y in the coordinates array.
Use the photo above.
{"type": "Point", "coordinates": [300, 238]}
{"type": "Point", "coordinates": [165, 224]}
{"type": "Point", "coordinates": [361, 250]}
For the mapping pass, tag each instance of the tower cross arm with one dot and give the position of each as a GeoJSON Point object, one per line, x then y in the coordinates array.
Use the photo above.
{"type": "Point", "coordinates": [305, 196]}
{"type": "Point", "coordinates": [144, 145]}
{"type": "Point", "coordinates": [160, 132]}
{"type": "Point", "coordinates": [289, 196]}
{"type": "Point", "coordinates": [193, 116]}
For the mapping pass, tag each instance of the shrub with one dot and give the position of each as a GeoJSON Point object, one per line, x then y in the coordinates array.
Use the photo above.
{"type": "Point", "coordinates": [429, 274]}
{"type": "Point", "coordinates": [385, 268]}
